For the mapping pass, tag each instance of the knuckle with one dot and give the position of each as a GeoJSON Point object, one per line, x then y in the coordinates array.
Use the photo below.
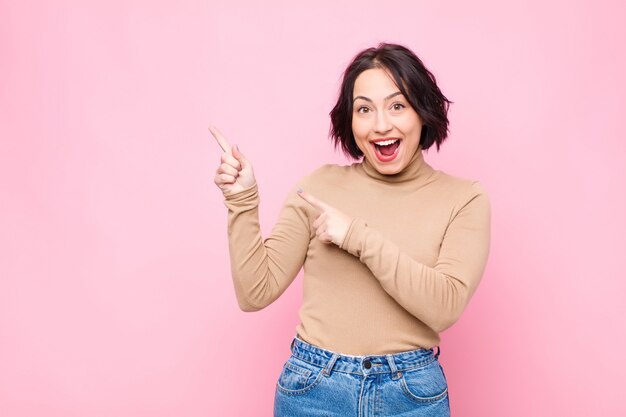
{"type": "Point", "coordinates": [234, 164]}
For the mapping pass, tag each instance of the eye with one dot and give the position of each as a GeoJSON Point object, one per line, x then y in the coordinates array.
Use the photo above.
{"type": "Point", "coordinates": [398, 104]}
{"type": "Point", "coordinates": [362, 108]}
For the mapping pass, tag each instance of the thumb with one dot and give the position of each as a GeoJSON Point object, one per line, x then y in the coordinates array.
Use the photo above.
{"type": "Point", "coordinates": [239, 156]}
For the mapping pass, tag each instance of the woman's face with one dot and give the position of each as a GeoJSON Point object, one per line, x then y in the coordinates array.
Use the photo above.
{"type": "Point", "coordinates": [382, 114]}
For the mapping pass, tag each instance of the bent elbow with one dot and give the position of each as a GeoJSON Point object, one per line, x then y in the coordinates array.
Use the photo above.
{"type": "Point", "coordinates": [452, 308]}
{"type": "Point", "coordinates": [251, 300]}
{"type": "Point", "coordinates": [248, 307]}
{"type": "Point", "coordinates": [444, 322]}
{"type": "Point", "coordinates": [447, 317]}
{"type": "Point", "coordinates": [256, 292]}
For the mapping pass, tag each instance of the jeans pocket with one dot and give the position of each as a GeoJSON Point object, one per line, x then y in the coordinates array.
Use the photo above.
{"type": "Point", "coordinates": [425, 384]}
{"type": "Point", "coordinates": [298, 377]}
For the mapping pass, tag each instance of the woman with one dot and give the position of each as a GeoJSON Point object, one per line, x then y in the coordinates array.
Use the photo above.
{"type": "Point", "coordinates": [392, 249]}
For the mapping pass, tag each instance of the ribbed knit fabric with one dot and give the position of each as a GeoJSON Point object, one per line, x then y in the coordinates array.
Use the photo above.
{"type": "Point", "coordinates": [413, 256]}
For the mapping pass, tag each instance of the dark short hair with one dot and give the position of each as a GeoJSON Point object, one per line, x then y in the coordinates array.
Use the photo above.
{"type": "Point", "coordinates": [415, 82]}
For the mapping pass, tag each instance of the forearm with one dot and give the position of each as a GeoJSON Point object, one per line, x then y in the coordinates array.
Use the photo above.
{"type": "Point", "coordinates": [433, 297]}
{"type": "Point", "coordinates": [435, 294]}
{"type": "Point", "coordinates": [261, 269]}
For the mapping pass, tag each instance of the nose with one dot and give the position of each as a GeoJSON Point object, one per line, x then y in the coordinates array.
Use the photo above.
{"type": "Point", "coordinates": [382, 123]}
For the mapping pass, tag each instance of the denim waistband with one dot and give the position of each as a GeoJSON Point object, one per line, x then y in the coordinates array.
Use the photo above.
{"type": "Point", "coordinates": [393, 363]}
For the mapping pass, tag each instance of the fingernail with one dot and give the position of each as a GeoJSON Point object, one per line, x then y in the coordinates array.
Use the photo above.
{"type": "Point", "coordinates": [300, 190]}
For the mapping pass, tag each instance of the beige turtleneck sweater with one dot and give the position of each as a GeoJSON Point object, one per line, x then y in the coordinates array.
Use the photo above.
{"type": "Point", "coordinates": [413, 256]}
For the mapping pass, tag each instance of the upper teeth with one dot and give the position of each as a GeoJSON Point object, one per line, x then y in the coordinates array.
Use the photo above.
{"type": "Point", "coordinates": [386, 142]}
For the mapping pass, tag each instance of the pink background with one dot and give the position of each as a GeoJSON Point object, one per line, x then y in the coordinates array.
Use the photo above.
{"type": "Point", "coordinates": [115, 292]}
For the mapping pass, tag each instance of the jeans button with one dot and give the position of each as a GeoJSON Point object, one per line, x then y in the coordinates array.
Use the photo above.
{"type": "Point", "coordinates": [367, 364]}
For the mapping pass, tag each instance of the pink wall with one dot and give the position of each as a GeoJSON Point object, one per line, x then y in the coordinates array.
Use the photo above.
{"type": "Point", "coordinates": [115, 292]}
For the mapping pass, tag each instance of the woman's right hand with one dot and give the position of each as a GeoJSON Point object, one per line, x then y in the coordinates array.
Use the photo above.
{"type": "Point", "coordinates": [235, 172]}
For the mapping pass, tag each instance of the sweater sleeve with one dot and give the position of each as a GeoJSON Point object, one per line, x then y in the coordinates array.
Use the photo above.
{"type": "Point", "coordinates": [262, 269]}
{"type": "Point", "coordinates": [435, 295]}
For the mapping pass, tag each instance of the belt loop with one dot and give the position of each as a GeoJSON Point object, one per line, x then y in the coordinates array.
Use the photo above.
{"type": "Point", "coordinates": [395, 374]}
{"type": "Point", "coordinates": [329, 366]}
{"type": "Point", "coordinates": [438, 352]}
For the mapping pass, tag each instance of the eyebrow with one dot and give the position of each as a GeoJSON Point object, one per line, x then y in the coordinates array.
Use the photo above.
{"type": "Point", "coordinates": [370, 100]}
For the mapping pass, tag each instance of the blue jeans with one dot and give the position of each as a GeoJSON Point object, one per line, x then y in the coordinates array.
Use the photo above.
{"type": "Point", "coordinates": [319, 382]}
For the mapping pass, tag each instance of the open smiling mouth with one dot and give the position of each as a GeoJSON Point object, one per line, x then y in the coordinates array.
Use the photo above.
{"type": "Point", "coordinates": [386, 150]}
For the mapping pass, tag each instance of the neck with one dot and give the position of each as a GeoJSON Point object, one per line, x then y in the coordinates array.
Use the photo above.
{"type": "Point", "coordinates": [416, 170]}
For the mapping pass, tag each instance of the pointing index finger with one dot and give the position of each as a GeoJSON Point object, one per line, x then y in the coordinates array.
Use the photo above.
{"type": "Point", "coordinates": [221, 140]}
{"type": "Point", "coordinates": [312, 200]}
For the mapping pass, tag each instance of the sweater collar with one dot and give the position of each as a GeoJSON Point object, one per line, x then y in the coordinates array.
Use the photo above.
{"type": "Point", "coordinates": [416, 170]}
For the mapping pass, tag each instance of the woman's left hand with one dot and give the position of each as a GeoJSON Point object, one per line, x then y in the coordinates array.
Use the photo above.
{"type": "Point", "coordinates": [331, 226]}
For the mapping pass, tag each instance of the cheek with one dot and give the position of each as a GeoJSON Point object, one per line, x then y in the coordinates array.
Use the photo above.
{"type": "Point", "coordinates": [410, 128]}
{"type": "Point", "coordinates": [359, 129]}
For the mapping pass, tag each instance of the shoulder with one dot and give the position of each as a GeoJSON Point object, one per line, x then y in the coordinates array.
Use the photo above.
{"type": "Point", "coordinates": [318, 178]}
{"type": "Point", "coordinates": [330, 170]}
{"type": "Point", "coordinates": [461, 189]}
{"type": "Point", "coordinates": [326, 173]}
{"type": "Point", "coordinates": [324, 182]}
